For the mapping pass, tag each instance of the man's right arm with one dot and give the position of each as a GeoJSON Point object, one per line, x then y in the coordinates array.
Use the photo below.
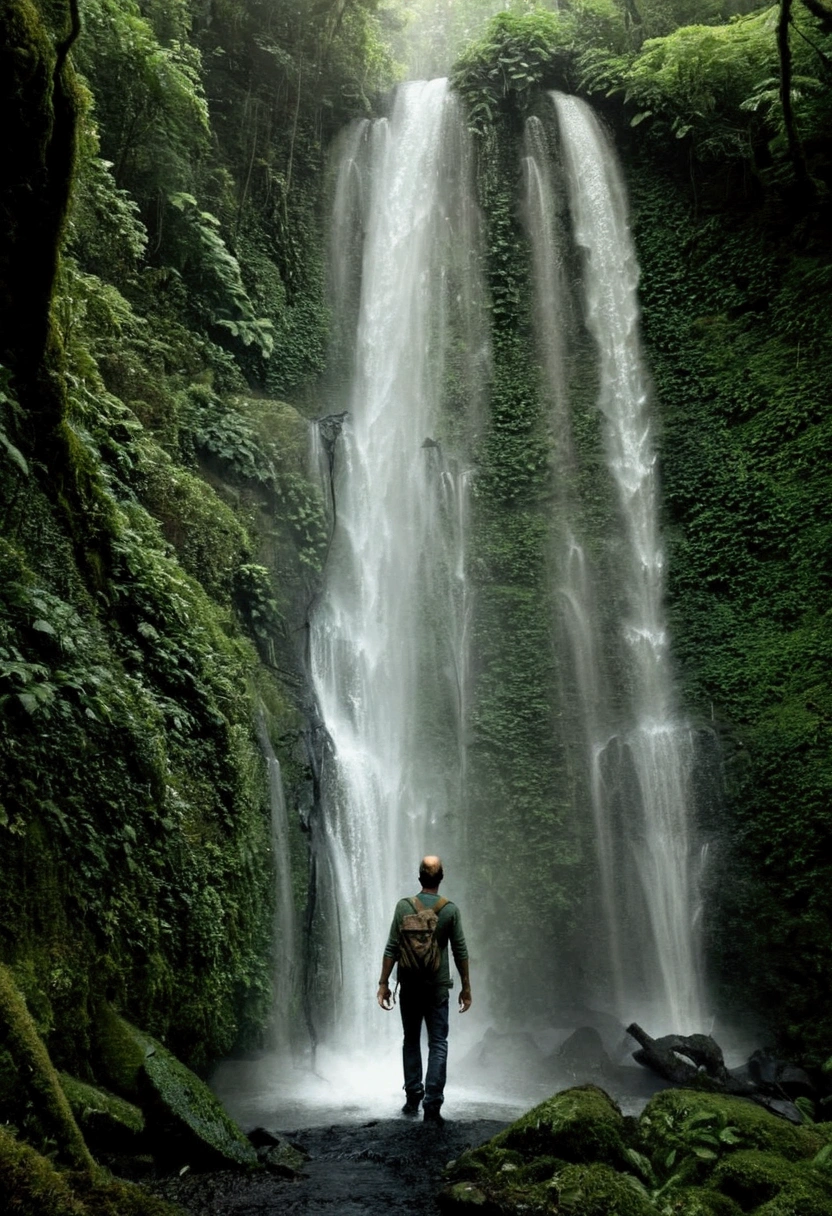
{"type": "Point", "coordinates": [391, 952]}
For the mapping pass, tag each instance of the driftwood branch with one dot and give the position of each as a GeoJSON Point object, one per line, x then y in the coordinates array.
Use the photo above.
{"type": "Point", "coordinates": [695, 1061]}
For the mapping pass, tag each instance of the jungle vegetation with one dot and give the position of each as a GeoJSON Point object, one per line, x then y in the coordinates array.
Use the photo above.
{"type": "Point", "coordinates": [163, 334]}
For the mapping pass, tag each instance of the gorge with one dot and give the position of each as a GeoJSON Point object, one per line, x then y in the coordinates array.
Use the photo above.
{"type": "Point", "coordinates": [548, 595]}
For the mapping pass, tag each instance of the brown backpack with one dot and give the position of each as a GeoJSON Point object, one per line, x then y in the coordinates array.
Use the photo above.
{"type": "Point", "coordinates": [419, 952]}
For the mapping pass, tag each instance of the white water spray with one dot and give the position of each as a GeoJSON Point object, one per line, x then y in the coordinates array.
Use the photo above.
{"type": "Point", "coordinates": [389, 636]}
{"type": "Point", "coordinates": [649, 894]}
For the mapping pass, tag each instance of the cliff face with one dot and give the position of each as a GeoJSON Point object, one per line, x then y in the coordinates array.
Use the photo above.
{"type": "Point", "coordinates": [161, 539]}
{"type": "Point", "coordinates": [735, 294]}
{"type": "Point", "coordinates": [142, 619]}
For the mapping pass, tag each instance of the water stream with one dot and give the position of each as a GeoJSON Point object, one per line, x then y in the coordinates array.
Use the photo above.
{"type": "Point", "coordinates": [389, 636]}
{"type": "Point", "coordinates": [393, 652]}
{"type": "Point", "coordinates": [639, 750]}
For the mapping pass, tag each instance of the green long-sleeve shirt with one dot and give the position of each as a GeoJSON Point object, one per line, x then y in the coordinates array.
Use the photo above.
{"type": "Point", "coordinates": [448, 930]}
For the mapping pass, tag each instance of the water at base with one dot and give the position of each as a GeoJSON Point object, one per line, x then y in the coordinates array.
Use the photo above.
{"type": "Point", "coordinates": [388, 635]}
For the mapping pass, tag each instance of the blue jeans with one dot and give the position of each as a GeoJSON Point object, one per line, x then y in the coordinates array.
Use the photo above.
{"type": "Point", "coordinates": [429, 1005]}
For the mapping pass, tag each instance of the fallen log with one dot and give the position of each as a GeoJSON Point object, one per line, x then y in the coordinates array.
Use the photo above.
{"type": "Point", "coordinates": [695, 1061]}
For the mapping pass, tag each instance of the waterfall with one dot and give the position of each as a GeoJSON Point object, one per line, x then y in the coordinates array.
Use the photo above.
{"type": "Point", "coordinates": [389, 635]}
{"type": "Point", "coordinates": [285, 935]}
{"type": "Point", "coordinates": [638, 751]}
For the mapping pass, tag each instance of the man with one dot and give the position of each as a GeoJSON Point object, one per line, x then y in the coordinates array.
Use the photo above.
{"type": "Point", "coordinates": [426, 999]}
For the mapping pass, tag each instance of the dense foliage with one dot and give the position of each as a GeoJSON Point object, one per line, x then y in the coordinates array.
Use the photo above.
{"type": "Point", "coordinates": [732, 226]}
{"type": "Point", "coordinates": [158, 527]}
{"type": "Point", "coordinates": [161, 291]}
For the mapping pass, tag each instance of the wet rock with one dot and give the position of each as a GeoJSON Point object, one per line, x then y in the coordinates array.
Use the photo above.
{"type": "Point", "coordinates": [583, 1054]}
{"type": "Point", "coordinates": [768, 1071]}
{"type": "Point", "coordinates": [504, 1057]}
{"type": "Point", "coordinates": [390, 1166]}
{"type": "Point", "coordinates": [277, 1153]}
{"type": "Point", "coordinates": [185, 1123]}
{"type": "Point", "coordinates": [109, 1124]}
{"type": "Point", "coordinates": [667, 1120]}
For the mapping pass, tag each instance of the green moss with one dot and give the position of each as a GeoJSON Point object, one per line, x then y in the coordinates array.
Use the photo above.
{"type": "Point", "coordinates": [597, 1190]}
{"type": "Point", "coordinates": [185, 1118]}
{"type": "Point", "coordinates": [209, 540]}
{"type": "Point", "coordinates": [464, 1197]}
{"type": "Point", "coordinates": [766, 1183]}
{"type": "Point", "coordinates": [577, 1125]}
{"type": "Point", "coordinates": [109, 1124]}
{"type": "Point", "coordinates": [194, 1114]}
{"type": "Point", "coordinates": [32, 1186]}
{"type": "Point", "coordinates": [37, 1098]}
{"type": "Point", "coordinates": [663, 1121]}
{"type": "Point", "coordinates": [703, 1201]}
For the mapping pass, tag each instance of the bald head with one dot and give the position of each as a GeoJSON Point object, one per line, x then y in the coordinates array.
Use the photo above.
{"type": "Point", "coordinates": [431, 872]}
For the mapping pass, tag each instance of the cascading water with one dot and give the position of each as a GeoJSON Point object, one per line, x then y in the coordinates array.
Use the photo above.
{"type": "Point", "coordinates": [285, 934]}
{"type": "Point", "coordinates": [638, 752]}
{"type": "Point", "coordinates": [389, 635]}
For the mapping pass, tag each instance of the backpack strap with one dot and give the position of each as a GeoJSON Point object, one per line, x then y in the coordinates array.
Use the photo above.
{"type": "Point", "coordinates": [418, 906]}
{"type": "Point", "coordinates": [440, 904]}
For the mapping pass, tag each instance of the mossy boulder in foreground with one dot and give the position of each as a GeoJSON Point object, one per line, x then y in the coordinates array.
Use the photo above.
{"type": "Point", "coordinates": [109, 1123]}
{"type": "Point", "coordinates": [30, 1092]}
{"type": "Point", "coordinates": [31, 1185]}
{"type": "Point", "coordinates": [690, 1153]}
{"type": "Point", "coordinates": [579, 1125]}
{"type": "Point", "coordinates": [184, 1120]}
{"type": "Point", "coordinates": [670, 1117]}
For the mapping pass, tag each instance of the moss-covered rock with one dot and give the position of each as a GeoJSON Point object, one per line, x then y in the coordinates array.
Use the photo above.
{"type": "Point", "coordinates": [598, 1190]}
{"type": "Point", "coordinates": [671, 1117]}
{"type": "Point", "coordinates": [184, 1119]}
{"type": "Point", "coordinates": [31, 1185]}
{"type": "Point", "coordinates": [109, 1123]}
{"type": "Point", "coordinates": [524, 1167]}
{"type": "Point", "coordinates": [703, 1201]}
{"type": "Point", "coordinates": [765, 1182]}
{"type": "Point", "coordinates": [578, 1125]}
{"type": "Point", "coordinates": [31, 1089]}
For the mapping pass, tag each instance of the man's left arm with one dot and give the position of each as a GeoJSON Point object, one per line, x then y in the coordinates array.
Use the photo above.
{"type": "Point", "coordinates": [460, 953]}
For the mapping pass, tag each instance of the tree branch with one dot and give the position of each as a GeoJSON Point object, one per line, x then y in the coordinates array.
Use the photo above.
{"type": "Point", "coordinates": [63, 48]}
{"type": "Point", "coordinates": [784, 51]}
{"type": "Point", "coordinates": [818, 9]}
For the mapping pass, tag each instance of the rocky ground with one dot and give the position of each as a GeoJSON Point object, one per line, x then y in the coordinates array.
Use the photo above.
{"type": "Point", "coordinates": [389, 1166]}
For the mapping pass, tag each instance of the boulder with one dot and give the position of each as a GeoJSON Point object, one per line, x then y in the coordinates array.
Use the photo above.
{"type": "Point", "coordinates": [578, 1125]}
{"type": "Point", "coordinates": [109, 1124]}
{"type": "Point", "coordinates": [277, 1153]}
{"type": "Point", "coordinates": [507, 1053]}
{"type": "Point", "coordinates": [766, 1183]}
{"type": "Point", "coordinates": [597, 1190]}
{"type": "Point", "coordinates": [185, 1122]}
{"type": "Point", "coordinates": [519, 1169]}
{"type": "Point", "coordinates": [31, 1091]}
{"type": "Point", "coordinates": [583, 1055]}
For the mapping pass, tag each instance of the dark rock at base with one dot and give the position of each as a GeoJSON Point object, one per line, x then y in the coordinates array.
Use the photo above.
{"type": "Point", "coordinates": [583, 1054]}
{"type": "Point", "coordinates": [109, 1124]}
{"type": "Point", "coordinates": [504, 1057]}
{"type": "Point", "coordinates": [186, 1125]}
{"type": "Point", "coordinates": [391, 1166]}
{"type": "Point", "coordinates": [284, 1159]}
{"type": "Point", "coordinates": [278, 1153]}
{"type": "Point", "coordinates": [261, 1137]}
{"type": "Point", "coordinates": [767, 1070]}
